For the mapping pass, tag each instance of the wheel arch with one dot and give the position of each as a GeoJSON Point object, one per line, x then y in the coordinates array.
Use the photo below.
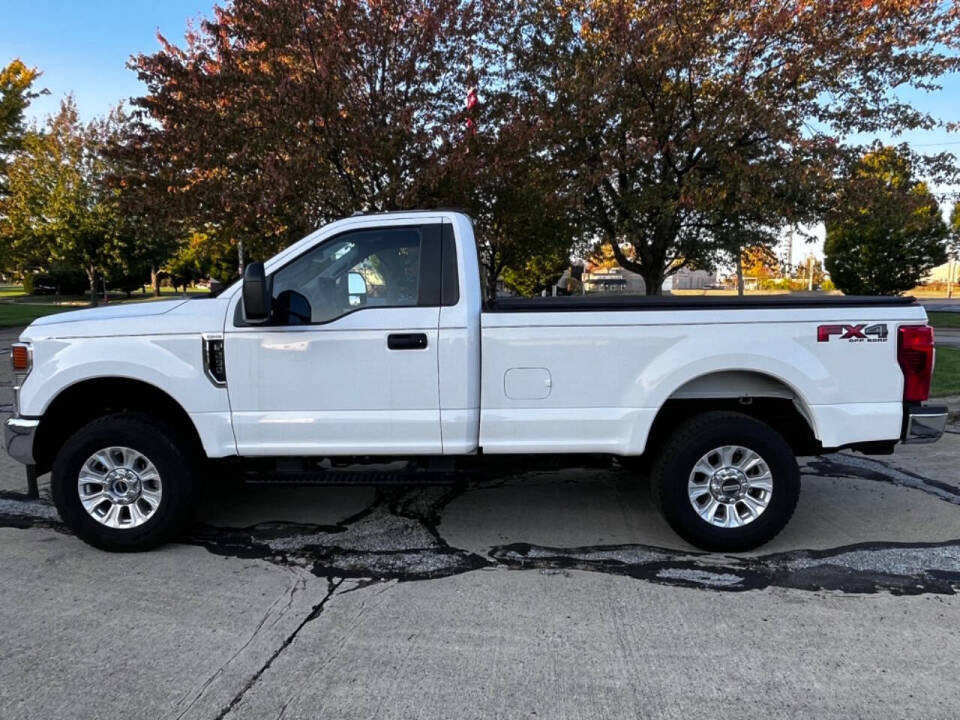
{"type": "Point", "coordinates": [86, 400]}
{"type": "Point", "coordinates": [760, 395]}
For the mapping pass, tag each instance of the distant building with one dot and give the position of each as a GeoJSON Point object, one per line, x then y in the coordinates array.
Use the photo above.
{"type": "Point", "coordinates": [942, 273]}
{"type": "Point", "coordinates": [613, 281]}
{"type": "Point", "coordinates": [687, 279]}
{"type": "Point", "coordinates": [620, 281]}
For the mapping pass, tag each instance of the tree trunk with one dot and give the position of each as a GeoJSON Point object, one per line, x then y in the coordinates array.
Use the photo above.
{"type": "Point", "coordinates": [652, 281]}
{"type": "Point", "coordinates": [155, 279]}
{"type": "Point", "coordinates": [740, 272]}
{"type": "Point", "coordinates": [490, 278]}
{"type": "Point", "coordinates": [92, 276]}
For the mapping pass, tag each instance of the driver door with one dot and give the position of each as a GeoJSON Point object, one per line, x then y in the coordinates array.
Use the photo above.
{"type": "Point", "coordinates": [347, 364]}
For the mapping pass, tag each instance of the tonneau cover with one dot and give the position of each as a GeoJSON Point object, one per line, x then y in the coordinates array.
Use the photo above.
{"type": "Point", "coordinates": [584, 303]}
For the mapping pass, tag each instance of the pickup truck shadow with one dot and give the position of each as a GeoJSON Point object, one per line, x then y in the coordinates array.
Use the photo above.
{"type": "Point", "coordinates": [418, 533]}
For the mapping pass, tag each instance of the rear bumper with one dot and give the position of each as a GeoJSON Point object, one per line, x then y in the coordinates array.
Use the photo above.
{"type": "Point", "coordinates": [924, 424]}
{"type": "Point", "coordinates": [18, 436]}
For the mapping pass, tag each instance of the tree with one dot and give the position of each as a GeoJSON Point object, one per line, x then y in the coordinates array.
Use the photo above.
{"type": "Point", "coordinates": [278, 115]}
{"type": "Point", "coordinates": [886, 231]}
{"type": "Point", "coordinates": [16, 83]}
{"type": "Point", "coordinates": [675, 123]}
{"type": "Point", "coordinates": [525, 228]}
{"type": "Point", "coordinates": [953, 247]}
{"type": "Point", "coordinates": [16, 92]}
{"type": "Point", "coordinates": [59, 210]}
{"type": "Point", "coordinates": [756, 261]}
{"type": "Point", "coordinates": [139, 177]}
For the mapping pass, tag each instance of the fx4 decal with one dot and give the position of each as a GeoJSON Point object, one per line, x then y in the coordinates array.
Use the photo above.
{"type": "Point", "coordinates": [853, 333]}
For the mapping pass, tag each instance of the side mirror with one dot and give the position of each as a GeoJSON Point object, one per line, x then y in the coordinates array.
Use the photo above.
{"type": "Point", "coordinates": [356, 288]}
{"type": "Point", "coordinates": [256, 294]}
{"type": "Point", "coordinates": [356, 284]}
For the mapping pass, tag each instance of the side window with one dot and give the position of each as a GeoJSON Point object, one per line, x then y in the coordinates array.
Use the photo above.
{"type": "Point", "coordinates": [363, 268]}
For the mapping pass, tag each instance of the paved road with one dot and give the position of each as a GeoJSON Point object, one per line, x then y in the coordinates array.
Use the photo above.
{"type": "Point", "coordinates": [549, 595]}
{"type": "Point", "coordinates": [941, 304]}
{"type": "Point", "coordinates": [948, 336]}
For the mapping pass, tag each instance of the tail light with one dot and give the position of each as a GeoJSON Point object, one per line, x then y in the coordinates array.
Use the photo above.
{"type": "Point", "coordinates": [915, 356]}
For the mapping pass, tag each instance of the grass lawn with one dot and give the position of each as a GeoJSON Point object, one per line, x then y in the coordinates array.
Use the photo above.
{"type": "Point", "coordinates": [944, 319]}
{"type": "Point", "coordinates": [8, 291]}
{"type": "Point", "coordinates": [946, 373]}
{"type": "Point", "coordinates": [17, 309]}
{"type": "Point", "coordinates": [15, 314]}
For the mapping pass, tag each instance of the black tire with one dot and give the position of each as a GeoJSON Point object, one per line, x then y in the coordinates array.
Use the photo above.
{"type": "Point", "coordinates": [156, 441]}
{"type": "Point", "coordinates": [697, 437]}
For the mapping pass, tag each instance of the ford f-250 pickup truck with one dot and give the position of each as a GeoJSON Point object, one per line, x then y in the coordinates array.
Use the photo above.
{"type": "Point", "coordinates": [368, 343]}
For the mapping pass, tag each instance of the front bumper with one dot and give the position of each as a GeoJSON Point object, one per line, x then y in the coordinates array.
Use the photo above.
{"type": "Point", "coordinates": [18, 436]}
{"type": "Point", "coordinates": [924, 424]}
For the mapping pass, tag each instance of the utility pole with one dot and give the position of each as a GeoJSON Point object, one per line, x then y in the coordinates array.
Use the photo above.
{"type": "Point", "coordinates": [740, 272]}
{"type": "Point", "coordinates": [788, 264]}
{"type": "Point", "coordinates": [810, 272]}
{"type": "Point", "coordinates": [950, 278]}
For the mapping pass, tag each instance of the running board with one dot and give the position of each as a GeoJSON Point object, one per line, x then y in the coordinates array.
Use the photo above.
{"type": "Point", "coordinates": [352, 477]}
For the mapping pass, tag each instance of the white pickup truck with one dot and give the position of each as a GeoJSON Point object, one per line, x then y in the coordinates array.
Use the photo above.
{"type": "Point", "coordinates": [368, 343]}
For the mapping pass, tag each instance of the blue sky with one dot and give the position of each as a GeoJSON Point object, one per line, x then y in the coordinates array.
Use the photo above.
{"type": "Point", "coordinates": [83, 46]}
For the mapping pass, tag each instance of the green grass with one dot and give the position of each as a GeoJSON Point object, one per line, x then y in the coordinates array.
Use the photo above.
{"type": "Point", "coordinates": [17, 309]}
{"type": "Point", "coordinates": [17, 315]}
{"type": "Point", "coordinates": [944, 319]}
{"type": "Point", "coordinates": [8, 291]}
{"type": "Point", "coordinates": [946, 373]}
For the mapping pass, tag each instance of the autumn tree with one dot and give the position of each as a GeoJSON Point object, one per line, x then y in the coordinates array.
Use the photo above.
{"type": "Point", "coordinates": [953, 247]}
{"type": "Point", "coordinates": [490, 167]}
{"type": "Point", "coordinates": [757, 261]}
{"type": "Point", "coordinates": [139, 176]}
{"type": "Point", "coordinates": [278, 115]}
{"type": "Point", "coordinates": [59, 209]}
{"type": "Point", "coordinates": [953, 240]}
{"type": "Point", "coordinates": [16, 92]}
{"type": "Point", "coordinates": [886, 231]}
{"type": "Point", "coordinates": [675, 122]}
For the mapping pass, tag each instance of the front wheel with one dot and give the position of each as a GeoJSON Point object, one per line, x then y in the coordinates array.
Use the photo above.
{"type": "Point", "coordinates": [123, 483]}
{"type": "Point", "coordinates": [726, 482]}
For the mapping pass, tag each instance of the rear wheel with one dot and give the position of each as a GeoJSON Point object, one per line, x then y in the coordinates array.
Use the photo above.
{"type": "Point", "coordinates": [726, 482]}
{"type": "Point", "coordinates": [123, 482]}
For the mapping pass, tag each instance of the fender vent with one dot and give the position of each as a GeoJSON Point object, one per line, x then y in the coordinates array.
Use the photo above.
{"type": "Point", "coordinates": [214, 363]}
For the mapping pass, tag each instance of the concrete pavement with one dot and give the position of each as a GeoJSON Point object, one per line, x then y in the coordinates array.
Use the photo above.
{"type": "Point", "coordinates": [551, 595]}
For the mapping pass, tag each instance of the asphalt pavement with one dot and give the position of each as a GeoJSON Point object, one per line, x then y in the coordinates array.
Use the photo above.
{"type": "Point", "coordinates": [948, 337]}
{"type": "Point", "coordinates": [942, 304]}
{"type": "Point", "coordinates": [550, 595]}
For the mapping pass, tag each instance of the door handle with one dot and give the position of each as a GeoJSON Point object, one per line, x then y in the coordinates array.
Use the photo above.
{"type": "Point", "coordinates": [407, 341]}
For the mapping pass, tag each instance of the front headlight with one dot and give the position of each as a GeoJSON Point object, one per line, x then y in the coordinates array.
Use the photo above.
{"type": "Point", "coordinates": [21, 359]}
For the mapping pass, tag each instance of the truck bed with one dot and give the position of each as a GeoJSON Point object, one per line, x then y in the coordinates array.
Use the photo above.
{"type": "Point", "coordinates": [595, 303]}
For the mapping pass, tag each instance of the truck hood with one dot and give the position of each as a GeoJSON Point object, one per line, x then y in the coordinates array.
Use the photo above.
{"type": "Point", "coordinates": [160, 317]}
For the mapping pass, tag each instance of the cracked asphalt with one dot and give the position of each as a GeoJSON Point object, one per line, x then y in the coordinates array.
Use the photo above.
{"type": "Point", "coordinates": [546, 594]}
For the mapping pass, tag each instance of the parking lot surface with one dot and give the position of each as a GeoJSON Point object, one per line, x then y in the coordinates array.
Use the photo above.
{"type": "Point", "coordinates": [551, 595]}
